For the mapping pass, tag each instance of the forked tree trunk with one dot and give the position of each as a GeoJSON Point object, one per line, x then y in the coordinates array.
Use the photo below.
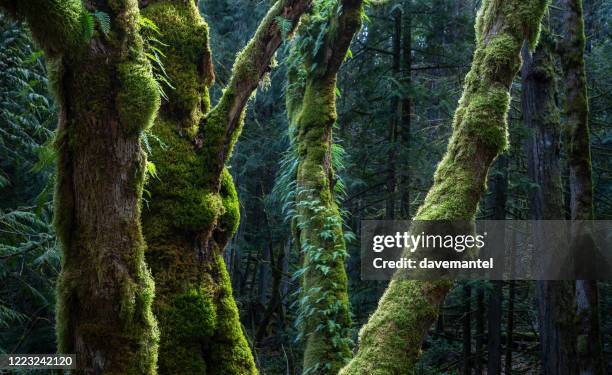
{"type": "Point", "coordinates": [193, 207]}
{"type": "Point", "coordinates": [107, 96]}
{"type": "Point", "coordinates": [311, 107]}
{"type": "Point", "coordinates": [555, 298]}
{"type": "Point", "coordinates": [390, 342]}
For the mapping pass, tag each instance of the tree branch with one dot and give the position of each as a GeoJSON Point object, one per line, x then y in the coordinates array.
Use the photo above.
{"type": "Point", "coordinates": [346, 25]}
{"type": "Point", "coordinates": [56, 24]}
{"type": "Point", "coordinates": [220, 128]}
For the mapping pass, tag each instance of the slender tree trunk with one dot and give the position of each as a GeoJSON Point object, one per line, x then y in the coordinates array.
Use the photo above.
{"type": "Point", "coordinates": [467, 329]}
{"type": "Point", "coordinates": [590, 352]}
{"type": "Point", "coordinates": [494, 319]}
{"type": "Point", "coordinates": [275, 296]}
{"type": "Point", "coordinates": [510, 327]}
{"type": "Point", "coordinates": [511, 298]}
{"type": "Point", "coordinates": [193, 209]}
{"type": "Point", "coordinates": [494, 328]}
{"type": "Point", "coordinates": [390, 342]}
{"type": "Point", "coordinates": [107, 97]}
{"type": "Point", "coordinates": [480, 332]}
{"type": "Point", "coordinates": [311, 107]}
{"type": "Point", "coordinates": [555, 298]}
{"type": "Point", "coordinates": [406, 111]}
{"type": "Point", "coordinates": [395, 117]}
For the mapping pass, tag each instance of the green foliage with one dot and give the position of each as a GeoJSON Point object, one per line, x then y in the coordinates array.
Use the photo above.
{"type": "Point", "coordinates": [29, 254]}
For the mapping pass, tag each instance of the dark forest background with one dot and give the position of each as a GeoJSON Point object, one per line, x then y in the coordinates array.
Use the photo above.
{"type": "Point", "coordinates": [384, 172]}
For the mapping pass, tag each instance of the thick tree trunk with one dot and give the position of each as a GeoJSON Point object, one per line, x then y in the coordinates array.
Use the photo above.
{"type": "Point", "coordinates": [555, 298]}
{"type": "Point", "coordinates": [311, 106]}
{"type": "Point", "coordinates": [193, 210]}
{"type": "Point", "coordinates": [107, 97]}
{"type": "Point", "coordinates": [390, 342]}
{"type": "Point", "coordinates": [590, 352]}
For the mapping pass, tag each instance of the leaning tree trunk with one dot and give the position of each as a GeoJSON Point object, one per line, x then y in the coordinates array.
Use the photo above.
{"type": "Point", "coordinates": [555, 298]}
{"type": "Point", "coordinates": [193, 208]}
{"type": "Point", "coordinates": [390, 342]}
{"type": "Point", "coordinates": [311, 106]}
{"type": "Point", "coordinates": [107, 96]}
{"type": "Point", "coordinates": [571, 50]}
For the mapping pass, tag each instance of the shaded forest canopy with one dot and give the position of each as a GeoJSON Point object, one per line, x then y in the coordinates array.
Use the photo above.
{"type": "Point", "coordinates": [197, 209]}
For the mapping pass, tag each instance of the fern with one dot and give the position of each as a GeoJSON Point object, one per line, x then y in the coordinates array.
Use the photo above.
{"type": "Point", "coordinates": [87, 25]}
{"type": "Point", "coordinates": [103, 20]}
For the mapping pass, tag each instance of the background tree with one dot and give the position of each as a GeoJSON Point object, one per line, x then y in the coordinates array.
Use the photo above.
{"type": "Point", "coordinates": [540, 113]}
{"type": "Point", "coordinates": [580, 176]}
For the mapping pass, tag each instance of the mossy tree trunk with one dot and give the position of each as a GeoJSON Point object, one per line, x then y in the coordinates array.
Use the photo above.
{"type": "Point", "coordinates": [193, 207]}
{"type": "Point", "coordinates": [540, 113]}
{"type": "Point", "coordinates": [391, 340]}
{"type": "Point", "coordinates": [107, 96]}
{"type": "Point", "coordinates": [311, 105]}
{"type": "Point", "coordinates": [577, 141]}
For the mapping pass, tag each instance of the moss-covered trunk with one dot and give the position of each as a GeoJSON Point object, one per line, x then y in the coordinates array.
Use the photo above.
{"type": "Point", "coordinates": [555, 298]}
{"type": "Point", "coordinates": [390, 342]}
{"type": "Point", "coordinates": [320, 235]}
{"type": "Point", "coordinates": [580, 174]}
{"type": "Point", "coordinates": [107, 97]}
{"type": "Point", "coordinates": [188, 219]}
{"type": "Point", "coordinates": [311, 104]}
{"type": "Point", "coordinates": [193, 207]}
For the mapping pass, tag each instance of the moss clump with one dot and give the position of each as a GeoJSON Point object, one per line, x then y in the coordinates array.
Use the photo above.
{"type": "Point", "coordinates": [56, 24]}
{"type": "Point", "coordinates": [180, 197]}
{"type": "Point", "coordinates": [187, 321]}
{"type": "Point", "coordinates": [187, 58]}
{"type": "Point", "coordinates": [138, 97]}
{"type": "Point", "coordinates": [229, 220]}
{"type": "Point", "coordinates": [228, 350]}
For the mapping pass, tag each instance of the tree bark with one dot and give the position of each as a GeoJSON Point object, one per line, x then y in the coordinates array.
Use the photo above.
{"type": "Point", "coordinates": [390, 341]}
{"type": "Point", "coordinates": [480, 332]}
{"type": "Point", "coordinates": [511, 299]}
{"type": "Point", "coordinates": [555, 298]}
{"type": "Point", "coordinates": [107, 96]}
{"type": "Point", "coordinates": [395, 111]}
{"type": "Point", "coordinates": [572, 46]}
{"type": "Point", "coordinates": [494, 319]}
{"type": "Point", "coordinates": [406, 110]}
{"type": "Point", "coordinates": [193, 210]}
{"type": "Point", "coordinates": [311, 107]}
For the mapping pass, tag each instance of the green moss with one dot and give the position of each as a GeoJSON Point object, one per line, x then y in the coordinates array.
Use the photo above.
{"type": "Point", "coordinates": [187, 58]}
{"type": "Point", "coordinates": [324, 310]}
{"type": "Point", "coordinates": [180, 197]}
{"type": "Point", "coordinates": [192, 208]}
{"type": "Point", "coordinates": [229, 352]}
{"type": "Point", "coordinates": [138, 97]}
{"type": "Point", "coordinates": [56, 24]}
{"type": "Point", "coordinates": [390, 342]}
{"type": "Point", "coordinates": [229, 220]}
